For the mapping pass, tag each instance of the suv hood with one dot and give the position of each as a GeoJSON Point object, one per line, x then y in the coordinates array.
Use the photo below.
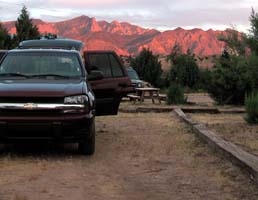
{"type": "Point", "coordinates": [136, 81]}
{"type": "Point", "coordinates": [41, 87]}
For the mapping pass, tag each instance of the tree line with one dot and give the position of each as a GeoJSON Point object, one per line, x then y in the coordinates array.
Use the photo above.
{"type": "Point", "coordinates": [233, 77]}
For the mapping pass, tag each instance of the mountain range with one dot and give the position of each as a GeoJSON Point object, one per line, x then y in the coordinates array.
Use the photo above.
{"type": "Point", "coordinates": [128, 39]}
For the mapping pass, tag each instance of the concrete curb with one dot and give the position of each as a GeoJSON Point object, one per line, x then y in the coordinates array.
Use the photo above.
{"type": "Point", "coordinates": [145, 110]}
{"type": "Point", "coordinates": [234, 153]}
{"type": "Point", "coordinates": [233, 111]}
{"type": "Point", "coordinates": [201, 110]}
{"type": "Point", "coordinates": [184, 109]}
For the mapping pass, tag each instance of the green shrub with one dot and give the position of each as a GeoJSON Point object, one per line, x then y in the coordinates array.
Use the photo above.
{"type": "Point", "coordinates": [164, 82]}
{"type": "Point", "coordinates": [230, 80]}
{"type": "Point", "coordinates": [204, 80]}
{"type": "Point", "coordinates": [251, 106]}
{"type": "Point", "coordinates": [252, 63]}
{"type": "Point", "coordinates": [175, 94]}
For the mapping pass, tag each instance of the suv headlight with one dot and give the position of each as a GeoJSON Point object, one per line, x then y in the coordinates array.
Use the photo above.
{"type": "Point", "coordinates": [139, 85]}
{"type": "Point", "coordinates": [80, 99]}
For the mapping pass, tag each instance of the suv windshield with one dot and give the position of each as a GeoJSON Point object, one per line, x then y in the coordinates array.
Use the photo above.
{"type": "Point", "coordinates": [58, 64]}
{"type": "Point", "coordinates": [132, 74]}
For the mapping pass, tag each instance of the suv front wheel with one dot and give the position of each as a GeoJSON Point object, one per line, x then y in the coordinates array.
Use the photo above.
{"type": "Point", "coordinates": [87, 147]}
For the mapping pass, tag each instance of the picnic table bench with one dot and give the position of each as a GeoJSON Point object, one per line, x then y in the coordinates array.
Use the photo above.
{"type": "Point", "coordinates": [148, 93]}
{"type": "Point", "coordinates": [133, 97]}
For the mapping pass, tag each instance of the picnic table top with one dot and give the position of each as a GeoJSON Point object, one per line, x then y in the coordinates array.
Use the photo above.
{"type": "Point", "coordinates": [147, 89]}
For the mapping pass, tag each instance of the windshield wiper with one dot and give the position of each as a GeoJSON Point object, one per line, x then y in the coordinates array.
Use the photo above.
{"type": "Point", "coordinates": [13, 74]}
{"type": "Point", "coordinates": [47, 75]}
{"type": "Point", "coordinates": [36, 75]}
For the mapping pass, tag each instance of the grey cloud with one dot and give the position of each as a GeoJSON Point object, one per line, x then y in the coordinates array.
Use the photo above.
{"type": "Point", "coordinates": [148, 13]}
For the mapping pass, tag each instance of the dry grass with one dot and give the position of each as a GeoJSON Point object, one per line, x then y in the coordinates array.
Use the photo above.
{"type": "Point", "coordinates": [232, 127]}
{"type": "Point", "coordinates": [195, 159]}
{"type": "Point", "coordinates": [138, 156]}
{"type": "Point", "coordinates": [196, 99]}
{"type": "Point", "coordinates": [19, 197]}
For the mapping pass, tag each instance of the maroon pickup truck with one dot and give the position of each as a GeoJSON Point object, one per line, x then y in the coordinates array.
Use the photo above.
{"type": "Point", "coordinates": [49, 92]}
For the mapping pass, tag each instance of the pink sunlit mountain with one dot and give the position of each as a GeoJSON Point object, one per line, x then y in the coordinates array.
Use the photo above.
{"type": "Point", "coordinates": [125, 38]}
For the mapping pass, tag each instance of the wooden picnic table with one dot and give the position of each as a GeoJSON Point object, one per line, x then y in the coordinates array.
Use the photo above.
{"type": "Point", "coordinates": [148, 93]}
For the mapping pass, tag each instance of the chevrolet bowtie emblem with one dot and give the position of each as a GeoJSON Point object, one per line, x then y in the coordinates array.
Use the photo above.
{"type": "Point", "coordinates": [30, 106]}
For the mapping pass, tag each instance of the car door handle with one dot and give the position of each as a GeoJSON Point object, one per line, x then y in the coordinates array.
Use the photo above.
{"type": "Point", "coordinates": [122, 84]}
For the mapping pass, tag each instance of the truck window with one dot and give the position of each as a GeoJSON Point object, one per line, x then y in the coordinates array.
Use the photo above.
{"type": "Point", "coordinates": [115, 66]}
{"type": "Point", "coordinates": [100, 62]}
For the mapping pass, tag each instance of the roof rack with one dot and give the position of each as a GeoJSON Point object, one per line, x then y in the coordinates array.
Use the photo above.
{"type": "Point", "coordinates": [51, 43]}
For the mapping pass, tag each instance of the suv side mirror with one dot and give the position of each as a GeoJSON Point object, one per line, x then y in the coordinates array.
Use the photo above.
{"type": "Point", "coordinates": [95, 75]}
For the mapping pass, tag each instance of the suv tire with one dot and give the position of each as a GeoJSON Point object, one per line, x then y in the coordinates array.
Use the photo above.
{"type": "Point", "coordinates": [87, 147]}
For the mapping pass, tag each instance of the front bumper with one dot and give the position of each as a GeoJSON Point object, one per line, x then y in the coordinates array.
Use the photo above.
{"type": "Point", "coordinates": [60, 122]}
{"type": "Point", "coordinates": [66, 108]}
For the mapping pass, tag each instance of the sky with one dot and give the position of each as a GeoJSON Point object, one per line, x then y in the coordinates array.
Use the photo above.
{"type": "Point", "coordinates": [158, 14]}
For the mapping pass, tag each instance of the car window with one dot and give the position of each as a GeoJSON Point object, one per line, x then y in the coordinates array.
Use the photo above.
{"type": "Point", "coordinates": [40, 63]}
{"type": "Point", "coordinates": [132, 74]}
{"type": "Point", "coordinates": [100, 62]}
{"type": "Point", "coordinates": [115, 66]}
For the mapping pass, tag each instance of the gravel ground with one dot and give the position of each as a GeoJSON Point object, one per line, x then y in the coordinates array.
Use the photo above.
{"type": "Point", "coordinates": [138, 156]}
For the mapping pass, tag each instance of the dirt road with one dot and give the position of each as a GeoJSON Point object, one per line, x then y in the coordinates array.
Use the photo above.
{"type": "Point", "coordinates": [138, 156]}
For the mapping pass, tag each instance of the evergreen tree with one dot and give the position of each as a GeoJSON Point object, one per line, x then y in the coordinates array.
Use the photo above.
{"type": "Point", "coordinates": [175, 53]}
{"type": "Point", "coordinates": [235, 73]}
{"type": "Point", "coordinates": [5, 38]}
{"type": "Point", "coordinates": [25, 30]}
{"type": "Point", "coordinates": [252, 38]}
{"type": "Point", "coordinates": [184, 69]}
{"type": "Point", "coordinates": [235, 42]}
{"type": "Point", "coordinates": [148, 67]}
{"type": "Point", "coordinates": [230, 79]}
